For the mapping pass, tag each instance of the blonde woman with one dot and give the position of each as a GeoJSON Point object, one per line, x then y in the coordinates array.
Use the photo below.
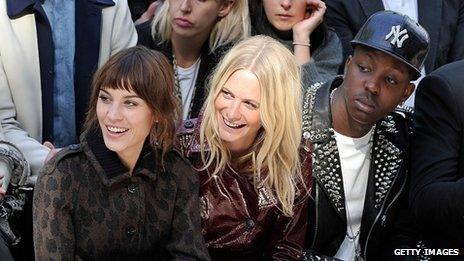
{"type": "Point", "coordinates": [193, 34]}
{"type": "Point", "coordinates": [246, 145]}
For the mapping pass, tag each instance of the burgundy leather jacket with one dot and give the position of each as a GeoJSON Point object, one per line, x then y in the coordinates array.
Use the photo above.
{"type": "Point", "coordinates": [239, 222]}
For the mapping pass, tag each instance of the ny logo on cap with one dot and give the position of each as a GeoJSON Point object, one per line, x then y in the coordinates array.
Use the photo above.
{"type": "Point", "coordinates": [398, 37]}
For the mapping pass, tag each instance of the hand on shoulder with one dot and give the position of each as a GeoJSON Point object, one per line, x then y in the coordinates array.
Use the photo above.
{"type": "Point", "coordinates": [53, 150]}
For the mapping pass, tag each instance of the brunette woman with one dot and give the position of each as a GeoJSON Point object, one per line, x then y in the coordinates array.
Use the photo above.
{"type": "Point", "coordinates": [298, 24]}
{"type": "Point", "coordinates": [122, 193]}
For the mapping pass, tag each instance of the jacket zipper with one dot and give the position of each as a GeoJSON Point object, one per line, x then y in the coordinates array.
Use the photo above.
{"type": "Point", "coordinates": [381, 210]}
{"type": "Point", "coordinates": [316, 203]}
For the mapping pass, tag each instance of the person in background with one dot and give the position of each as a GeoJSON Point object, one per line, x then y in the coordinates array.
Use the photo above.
{"type": "Point", "coordinates": [148, 13]}
{"type": "Point", "coordinates": [22, 170]}
{"type": "Point", "coordinates": [299, 25]}
{"type": "Point", "coordinates": [443, 20]}
{"type": "Point", "coordinates": [139, 7]}
{"type": "Point", "coordinates": [436, 170]}
{"type": "Point", "coordinates": [194, 35]}
{"type": "Point", "coordinates": [358, 206]}
{"type": "Point", "coordinates": [48, 52]}
{"type": "Point", "coordinates": [123, 192]}
{"type": "Point", "coordinates": [246, 145]}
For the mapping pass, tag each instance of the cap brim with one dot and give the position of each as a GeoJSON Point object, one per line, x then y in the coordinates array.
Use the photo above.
{"type": "Point", "coordinates": [417, 72]}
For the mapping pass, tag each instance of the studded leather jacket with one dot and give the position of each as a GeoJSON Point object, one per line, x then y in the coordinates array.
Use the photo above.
{"type": "Point", "coordinates": [239, 222]}
{"type": "Point", "coordinates": [382, 223]}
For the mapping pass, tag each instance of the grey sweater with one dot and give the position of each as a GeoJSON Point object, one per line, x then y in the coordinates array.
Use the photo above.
{"type": "Point", "coordinates": [324, 62]}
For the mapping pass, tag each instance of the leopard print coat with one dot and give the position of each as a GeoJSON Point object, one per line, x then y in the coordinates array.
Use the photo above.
{"type": "Point", "coordinates": [87, 206]}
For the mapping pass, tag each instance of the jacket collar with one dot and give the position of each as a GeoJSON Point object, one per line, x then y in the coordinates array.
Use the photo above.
{"type": "Point", "coordinates": [429, 13]}
{"type": "Point", "coordinates": [189, 135]}
{"type": "Point", "coordinates": [108, 165]}
{"type": "Point", "coordinates": [17, 8]}
{"type": "Point", "coordinates": [386, 154]}
{"type": "Point", "coordinates": [317, 129]}
{"type": "Point", "coordinates": [103, 2]}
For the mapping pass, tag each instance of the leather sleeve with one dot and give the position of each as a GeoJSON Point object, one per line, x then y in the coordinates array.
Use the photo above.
{"type": "Point", "coordinates": [288, 237]}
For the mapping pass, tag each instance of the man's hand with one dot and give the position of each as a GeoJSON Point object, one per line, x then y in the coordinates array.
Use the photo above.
{"type": "Point", "coordinates": [5, 173]}
{"type": "Point", "coordinates": [149, 13]}
{"type": "Point", "coordinates": [2, 189]}
{"type": "Point", "coordinates": [52, 152]}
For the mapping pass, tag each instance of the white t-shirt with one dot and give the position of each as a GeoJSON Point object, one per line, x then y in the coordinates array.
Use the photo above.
{"type": "Point", "coordinates": [187, 79]}
{"type": "Point", "coordinates": [355, 159]}
{"type": "Point", "coordinates": [409, 8]}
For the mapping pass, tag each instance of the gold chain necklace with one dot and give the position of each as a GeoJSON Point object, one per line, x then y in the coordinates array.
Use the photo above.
{"type": "Point", "coordinates": [191, 89]}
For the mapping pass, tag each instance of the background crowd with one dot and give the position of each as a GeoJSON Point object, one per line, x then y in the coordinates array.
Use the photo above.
{"type": "Point", "coordinates": [231, 129]}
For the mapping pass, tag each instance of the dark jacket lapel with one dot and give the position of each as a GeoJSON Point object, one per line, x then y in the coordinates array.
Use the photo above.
{"type": "Point", "coordinates": [326, 160]}
{"type": "Point", "coordinates": [17, 8]}
{"type": "Point", "coordinates": [88, 34]}
{"type": "Point", "coordinates": [430, 17]}
{"type": "Point", "coordinates": [386, 164]}
{"type": "Point", "coordinates": [200, 94]}
{"type": "Point", "coordinates": [371, 6]}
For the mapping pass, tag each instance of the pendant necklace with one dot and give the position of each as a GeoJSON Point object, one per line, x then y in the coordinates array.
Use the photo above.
{"type": "Point", "coordinates": [353, 236]}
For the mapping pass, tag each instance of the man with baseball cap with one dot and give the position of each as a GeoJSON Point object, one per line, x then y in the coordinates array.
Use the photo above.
{"type": "Point", "coordinates": [360, 143]}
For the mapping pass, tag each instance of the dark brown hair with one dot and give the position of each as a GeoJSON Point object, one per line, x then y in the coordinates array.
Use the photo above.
{"type": "Point", "coordinates": [260, 25]}
{"type": "Point", "coordinates": [150, 75]}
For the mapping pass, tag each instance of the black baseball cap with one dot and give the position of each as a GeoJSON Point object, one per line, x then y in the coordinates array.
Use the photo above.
{"type": "Point", "coordinates": [397, 35]}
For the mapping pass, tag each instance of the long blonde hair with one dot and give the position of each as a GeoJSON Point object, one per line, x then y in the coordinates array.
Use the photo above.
{"type": "Point", "coordinates": [276, 149]}
{"type": "Point", "coordinates": [232, 28]}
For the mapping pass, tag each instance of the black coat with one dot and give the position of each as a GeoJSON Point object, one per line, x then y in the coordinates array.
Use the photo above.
{"type": "Point", "coordinates": [437, 192]}
{"type": "Point", "coordinates": [385, 216]}
{"type": "Point", "coordinates": [443, 20]}
{"type": "Point", "coordinates": [138, 7]}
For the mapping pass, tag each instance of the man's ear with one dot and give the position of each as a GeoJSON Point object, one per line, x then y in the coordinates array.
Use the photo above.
{"type": "Point", "coordinates": [408, 91]}
{"type": "Point", "coordinates": [348, 60]}
{"type": "Point", "coordinates": [225, 8]}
